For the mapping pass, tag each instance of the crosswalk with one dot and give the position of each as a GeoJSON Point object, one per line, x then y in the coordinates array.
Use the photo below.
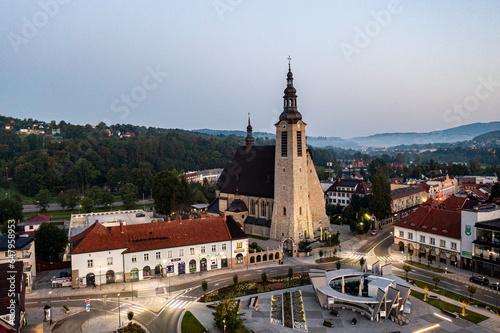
{"type": "Point", "coordinates": [126, 307]}
{"type": "Point", "coordinates": [180, 302]}
{"type": "Point", "coordinates": [358, 255]}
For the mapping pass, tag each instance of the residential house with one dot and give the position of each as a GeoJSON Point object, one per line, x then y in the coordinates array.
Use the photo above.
{"type": "Point", "coordinates": [342, 190]}
{"type": "Point", "coordinates": [23, 251]}
{"type": "Point", "coordinates": [12, 297]}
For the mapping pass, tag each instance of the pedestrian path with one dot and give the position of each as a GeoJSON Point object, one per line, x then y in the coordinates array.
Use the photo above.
{"type": "Point", "coordinates": [387, 258]}
{"type": "Point", "coordinates": [180, 302]}
{"type": "Point", "coordinates": [357, 255]}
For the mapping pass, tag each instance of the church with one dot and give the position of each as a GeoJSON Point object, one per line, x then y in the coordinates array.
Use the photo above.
{"type": "Point", "coordinates": [274, 191]}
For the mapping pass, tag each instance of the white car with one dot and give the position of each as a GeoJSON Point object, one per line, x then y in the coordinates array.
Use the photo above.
{"type": "Point", "coordinates": [374, 232]}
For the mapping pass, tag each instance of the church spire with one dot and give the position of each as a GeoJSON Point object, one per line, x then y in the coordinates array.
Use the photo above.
{"type": "Point", "coordinates": [249, 140]}
{"type": "Point", "coordinates": [290, 112]}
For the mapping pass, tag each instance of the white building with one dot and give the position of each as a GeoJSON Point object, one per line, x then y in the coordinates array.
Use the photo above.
{"type": "Point", "coordinates": [441, 188]}
{"type": "Point", "coordinates": [342, 190]}
{"type": "Point", "coordinates": [430, 231]}
{"type": "Point", "coordinates": [142, 251]}
{"type": "Point", "coordinates": [24, 251]}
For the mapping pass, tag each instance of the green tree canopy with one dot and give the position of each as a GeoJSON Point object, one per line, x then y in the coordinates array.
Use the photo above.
{"type": "Point", "coordinates": [380, 199]}
{"type": "Point", "coordinates": [50, 241]}
{"type": "Point", "coordinates": [226, 316]}
{"type": "Point", "coordinates": [129, 195]}
{"type": "Point", "coordinates": [42, 200]}
{"type": "Point", "coordinates": [166, 192]}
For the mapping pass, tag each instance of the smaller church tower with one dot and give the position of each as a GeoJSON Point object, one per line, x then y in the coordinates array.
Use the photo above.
{"type": "Point", "coordinates": [249, 140]}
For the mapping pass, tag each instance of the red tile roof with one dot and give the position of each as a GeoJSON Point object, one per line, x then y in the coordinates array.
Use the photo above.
{"type": "Point", "coordinates": [37, 219]}
{"type": "Point", "coordinates": [454, 203]}
{"type": "Point", "coordinates": [424, 186]}
{"type": "Point", "coordinates": [434, 221]}
{"type": "Point", "coordinates": [143, 237]}
{"type": "Point", "coordinates": [481, 194]}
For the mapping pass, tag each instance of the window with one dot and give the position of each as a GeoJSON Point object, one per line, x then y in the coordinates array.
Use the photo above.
{"type": "Point", "coordinates": [453, 246]}
{"type": "Point", "coordinates": [169, 253]}
{"type": "Point", "coordinates": [239, 258]}
{"type": "Point", "coordinates": [299, 143]}
{"type": "Point", "coordinates": [402, 234]}
{"type": "Point", "coordinates": [203, 249]}
{"type": "Point", "coordinates": [223, 247]}
{"type": "Point", "coordinates": [422, 239]}
{"type": "Point", "coordinates": [110, 261]}
{"type": "Point", "coordinates": [284, 211]}
{"type": "Point", "coordinates": [300, 210]}
{"type": "Point", "coordinates": [158, 255]}
{"type": "Point", "coordinates": [432, 241]}
{"type": "Point", "coordinates": [239, 245]}
{"type": "Point", "coordinates": [146, 256]}
{"type": "Point", "coordinates": [191, 251]}
{"type": "Point", "coordinates": [442, 243]}
{"type": "Point", "coordinates": [181, 252]}
{"type": "Point", "coordinates": [134, 258]}
{"type": "Point", "coordinates": [263, 208]}
{"type": "Point", "coordinates": [284, 138]}
{"type": "Point", "coordinates": [214, 248]}
{"type": "Point", "coordinates": [410, 235]}
{"type": "Point", "coordinates": [90, 263]}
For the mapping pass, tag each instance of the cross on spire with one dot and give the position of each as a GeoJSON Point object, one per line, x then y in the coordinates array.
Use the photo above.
{"type": "Point", "coordinates": [289, 59]}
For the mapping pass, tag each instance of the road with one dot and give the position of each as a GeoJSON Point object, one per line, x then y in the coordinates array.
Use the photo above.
{"type": "Point", "coordinates": [164, 320]}
{"type": "Point", "coordinates": [56, 206]}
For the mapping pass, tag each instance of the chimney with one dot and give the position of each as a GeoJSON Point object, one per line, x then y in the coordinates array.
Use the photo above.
{"type": "Point", "coordinates": [223, 215]}
{"type": "Point", "coordinates": [203, 217]}
{"type": "Point", "coordinates": [180, 219]}
{"type": "Point", "coordinates": [121, 228]}
{"type": "Point", "coordinates": [190, 217]}
{"type": "Point", "coordinates": [169, 219]}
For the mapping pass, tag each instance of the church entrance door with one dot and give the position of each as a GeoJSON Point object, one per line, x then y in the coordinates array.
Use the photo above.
{"type": "Point", "coordinates": [288, 247]}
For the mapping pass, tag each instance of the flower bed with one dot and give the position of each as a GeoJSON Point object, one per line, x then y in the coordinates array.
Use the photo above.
{"type": "Point", "coordinates": [256, 286]}
{"type": "Point", "coordinates": [277, 309]}
{"type": "Point", "coordinates": [299, 319]}
{"type": "Point", "coordinates": [287, 310]}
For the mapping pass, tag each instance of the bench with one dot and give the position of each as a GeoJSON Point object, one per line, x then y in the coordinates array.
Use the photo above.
{"type": "Point", "coordinates": [449, 313]}
{"type": "Point", "coordinates": [432, 296]}
{"type": "Point", "coordinates": [327, 323]}
{"type": "Point", "coordinates": [253, 302]}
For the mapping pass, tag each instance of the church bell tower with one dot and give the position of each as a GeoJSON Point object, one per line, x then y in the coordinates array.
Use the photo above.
{"type": "Point", "coordinates": [292, 218]}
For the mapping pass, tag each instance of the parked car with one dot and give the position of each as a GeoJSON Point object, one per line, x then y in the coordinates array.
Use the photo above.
{"type": "Point", "coordinates": [63, 274]}
{"type": "Point", "coordinates": [374, 232]}
{"type": "Point", "coordinates": [354, 321]}
{"type": "Point", "coordinates": [480, 280]}
{"type": "Point", "coordinates": [495, 286]}
{"type": "Point", "coordinates": [334, 312]}
{"type": "Point", "coordinates": [140, 215]}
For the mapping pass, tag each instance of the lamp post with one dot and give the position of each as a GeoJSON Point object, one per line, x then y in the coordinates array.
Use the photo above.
{"type": "Point", "coordinates": [119, 312]}
{"type": "Point", "coordinates": [50, 300]}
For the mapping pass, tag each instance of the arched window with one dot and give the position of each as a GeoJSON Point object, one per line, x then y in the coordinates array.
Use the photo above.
{"type": "Point", "coordinates": [239, 258]}
{"type": "Point", "coordinates": [252, 260]}
{"type": "Point", "coordinates": [252, 207]}
{"type": "Point", "coordinates": [264, 257]}
{"type": "Point", "coordinates": [262, 208]}
{"type": "Point", "coordinates": [300, 210]}
{"type": "Point", "coordinates": [134, 274]}
{"type": "Point", "coordinates": [270, 256]}
{"type": "Point", "coordinates": [258, 258]}
{"type": "Point", "coordinates": [284, 211]}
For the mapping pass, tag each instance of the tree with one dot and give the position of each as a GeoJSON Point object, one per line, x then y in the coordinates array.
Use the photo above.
{"type": "Point", "coordinates": [495, 192]}
{"type": "Point", "coordinates": [107, 198]}
{"type": "Point", "coordinates": [338, 264]}
{"type": "Point", "coordinates": [420, 255]}
{"type": "Point", "coordinates": [429, 260]}
{"type": "Point", "coordinates": [62, 200]}
{"type": "Point", "coordinates": [407, 269]}
{"type": "Point", "coordinates": [321, 253]}
{"type": "Point", "coordinates": [464, 301]}
{"type": "Point", "coordinates": [42, 200]}
{"type": "Point", "coordinates": [263, 277]}
{"type": "Point", "coordinates": [472, 290]}
{"type": "Point", "coordinates": [226, 316]}
{"type": "Point", "coordinates": [166, 188]}
{"type": "Point", "coordinates": [204, 287]}
{"type": "Point", "coordinates": [362, 262]}
{"type": "Point", "coordinates": [304, 246]}
{"type": "Point", "coordinates": [72, 198]}
{"type": "Point", "coordinates": [426, 289]}
{"type": "Point", "coordinates": [380, 199]}
{"type": "Point", "coordinates": [290, 273]}
{"type": "Point", "coordinates": [129, 195]}
{"type": "Point", "coordinates": [87, 204]}
{"type": "Point", "coordinates": [436, 280]}
{"type": "Point", "coordinates": [95, 194]}
{"type": "Point", "coordinates": [130, 315]}
{"type": "Point", "coordinates": [10, 209]}
{"type": "Point", "coordinates": [475, 167]}
{"type": "Point", "coordinates": [235, 279]}
{"type": "Point", "coordinates": [50, 241]}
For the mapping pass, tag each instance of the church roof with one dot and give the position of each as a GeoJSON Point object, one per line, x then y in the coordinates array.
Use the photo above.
{"type": "Point", "coordinates": [250, 173]}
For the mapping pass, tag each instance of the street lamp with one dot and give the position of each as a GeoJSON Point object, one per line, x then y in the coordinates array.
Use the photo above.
{"type": "Point", "coordinates": [119, 312]}
{"type": "Point", "coordinates": [50, 300]}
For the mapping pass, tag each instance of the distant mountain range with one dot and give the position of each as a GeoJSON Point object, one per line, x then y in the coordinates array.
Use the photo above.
{"type": "Point", "coordinates": [455, 134]}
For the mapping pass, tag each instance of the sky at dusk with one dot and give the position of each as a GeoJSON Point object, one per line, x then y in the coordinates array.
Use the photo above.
{"type": "Point", "coordinates": [360, 67]}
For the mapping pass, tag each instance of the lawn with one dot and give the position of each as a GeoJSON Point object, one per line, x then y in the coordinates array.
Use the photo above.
{"type": "Point", "coordinates": [471, 316]}
{"type": "Point", "coordinates": [190, 324]}
{"type": "Point", "coordinates": [444, 292]}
